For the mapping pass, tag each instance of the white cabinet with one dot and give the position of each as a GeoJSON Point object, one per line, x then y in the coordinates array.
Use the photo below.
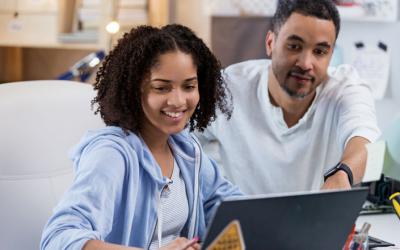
{"type": "Point", "coordinates": [51, 26]}
{"type": "Point", "coordinates": [28, 22]}
{"type": "Point", "coordinates": [7, 6]}
{"type": "Point", "coordinates": [37, 6]}
{"type": "Point", "coordinates": [371, 11]}
{"type": "Point", "coordinates": [28, 30]}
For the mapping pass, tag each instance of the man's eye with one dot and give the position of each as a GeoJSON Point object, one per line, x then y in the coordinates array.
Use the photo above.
{"type": "Point", "coordinates": [320, 52]}
{"type": "Point", "coordinates": [293, 47]}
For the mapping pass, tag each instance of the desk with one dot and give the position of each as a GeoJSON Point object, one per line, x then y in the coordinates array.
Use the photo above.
{"type": "Point", "coordinates": [383, 226]}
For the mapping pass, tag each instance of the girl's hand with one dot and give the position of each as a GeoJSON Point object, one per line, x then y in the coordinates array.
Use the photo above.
{"type": "Point", "coordinates": [182, 243]}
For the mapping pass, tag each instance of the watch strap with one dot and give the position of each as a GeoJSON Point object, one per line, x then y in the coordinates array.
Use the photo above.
{"type": "Point", "coordinates": [337, 167]}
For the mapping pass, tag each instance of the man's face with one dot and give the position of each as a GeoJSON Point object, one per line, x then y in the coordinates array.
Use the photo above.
{"type": "Point", "coordinates": [300, 53]}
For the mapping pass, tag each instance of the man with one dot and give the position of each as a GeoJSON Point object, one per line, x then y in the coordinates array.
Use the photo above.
{"type": "Point", "coordinates": [294, 119]}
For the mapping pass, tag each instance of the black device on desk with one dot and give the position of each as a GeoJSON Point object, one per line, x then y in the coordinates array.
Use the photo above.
{"type": "Point", "coordinates": [389, 183]}
{"type": "Point", "coordinates": [307, 220]}
{"type": "Point", "coordinates": [378, 196]}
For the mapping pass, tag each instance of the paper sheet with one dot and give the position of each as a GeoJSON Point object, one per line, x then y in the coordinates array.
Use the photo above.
{"type": "Point", "coordinates": [375, 160]}
{"type": "Point", "coordinates": [373, 64]}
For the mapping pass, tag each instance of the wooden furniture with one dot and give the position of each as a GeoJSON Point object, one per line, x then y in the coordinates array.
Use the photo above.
{"type": "Point", "coordinates": [33, 33]}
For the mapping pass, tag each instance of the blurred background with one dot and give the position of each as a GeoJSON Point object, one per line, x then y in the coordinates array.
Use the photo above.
{"type": "Point", "coordinates": [67, 39]}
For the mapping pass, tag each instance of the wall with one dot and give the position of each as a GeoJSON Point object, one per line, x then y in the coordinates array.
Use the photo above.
{"type": "Point", "coordinates": [370, 33]}
{"type": "Point", "coordinates": [192, 13]}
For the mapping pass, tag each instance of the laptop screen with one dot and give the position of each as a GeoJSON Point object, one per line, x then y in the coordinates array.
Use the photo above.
{"type": "Point", "coordinates": [307, 220]}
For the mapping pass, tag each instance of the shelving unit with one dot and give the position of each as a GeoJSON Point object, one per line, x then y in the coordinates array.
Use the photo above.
{"type": "Point", "coordinates": [371, 11]}
{"type": "Point", "coordinates": [41, 26]}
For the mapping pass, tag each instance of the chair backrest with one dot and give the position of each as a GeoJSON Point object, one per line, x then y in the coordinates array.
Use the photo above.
{"type": "Point", "coordinates": [39, 122]}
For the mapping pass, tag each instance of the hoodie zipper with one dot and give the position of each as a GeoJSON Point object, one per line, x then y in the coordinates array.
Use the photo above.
{"type": "Point", "coordinates": [193, 219]}
{"type": "Point", "coordinates": [158, 195]}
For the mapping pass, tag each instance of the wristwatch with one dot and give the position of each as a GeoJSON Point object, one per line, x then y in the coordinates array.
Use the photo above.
{"type": "Point", "coordinates": [337, 167]}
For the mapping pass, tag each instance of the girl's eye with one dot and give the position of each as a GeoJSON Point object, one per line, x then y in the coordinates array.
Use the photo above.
{"type": "Point", "coordinates": [161, 89]}
{"type": "Point", "coordinates": [190, 87]}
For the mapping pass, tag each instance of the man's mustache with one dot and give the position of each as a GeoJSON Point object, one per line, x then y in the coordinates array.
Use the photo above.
{"type": "Point", "coordinates": [298, 72]}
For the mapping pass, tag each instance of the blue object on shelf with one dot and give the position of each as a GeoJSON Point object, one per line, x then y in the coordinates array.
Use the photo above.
{"type": "Point", "coordinates": [84, 68]}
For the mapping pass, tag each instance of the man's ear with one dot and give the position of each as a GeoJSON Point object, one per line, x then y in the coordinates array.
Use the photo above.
{"type": "Point", "coordinates": [269, 42]}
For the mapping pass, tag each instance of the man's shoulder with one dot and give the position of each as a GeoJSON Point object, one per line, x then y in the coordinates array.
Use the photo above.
{"type": "Point", "coordinates": [345, 74]}
{"type": "Point", "coordinates": [247, 69]}
{"type": "Point", "coordinates": [344, 86]}
{"type": "Point", "coordinates": [343, 77]}
{"type": "Point", "coordinates": [245, 74]}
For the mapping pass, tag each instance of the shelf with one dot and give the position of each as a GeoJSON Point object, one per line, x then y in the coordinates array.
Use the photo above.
{"type": "Point", "coordinates": [378, 11]}
{"type": "Point", "coordinates": [72, 46]}
{"type": "Point", "coordinates": [32, 40]}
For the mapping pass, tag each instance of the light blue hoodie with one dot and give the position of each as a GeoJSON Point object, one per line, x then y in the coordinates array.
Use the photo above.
{"type": "Point", "coordinates": [115, 193]}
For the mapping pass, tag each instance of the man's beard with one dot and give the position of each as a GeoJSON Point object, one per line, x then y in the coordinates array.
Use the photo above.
{"type": "Point", "coordinates": [291, 93]}
{"type": "Point", "coordinates": [299, 72]}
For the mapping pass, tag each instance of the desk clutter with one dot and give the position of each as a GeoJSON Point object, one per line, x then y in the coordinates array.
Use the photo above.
{"type": "Point", "coordinates": [383, 197]}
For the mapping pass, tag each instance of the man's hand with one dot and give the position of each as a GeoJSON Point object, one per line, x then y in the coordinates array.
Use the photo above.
{"type": "Point", "coordinates": [354, 156]}
{"type": "Point", "coordinates": [339, 180]}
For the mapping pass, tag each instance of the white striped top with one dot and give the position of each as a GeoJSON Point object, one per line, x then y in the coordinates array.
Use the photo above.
{"type": "Point", "coordinates": [173, 210]}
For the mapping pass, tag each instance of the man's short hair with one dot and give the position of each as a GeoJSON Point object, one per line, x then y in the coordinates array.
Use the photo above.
{"type": "Point", "coordinates": [322, 9]}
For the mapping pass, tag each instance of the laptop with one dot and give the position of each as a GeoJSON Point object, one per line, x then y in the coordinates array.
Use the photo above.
{"type": "Point", "coordinates": [307, 220]}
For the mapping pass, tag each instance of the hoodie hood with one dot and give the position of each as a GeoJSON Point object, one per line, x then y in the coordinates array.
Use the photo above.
{"type": "Point", "coordinates": [181, 143]}
{"type": "Point", "coordinates": [120, 205]}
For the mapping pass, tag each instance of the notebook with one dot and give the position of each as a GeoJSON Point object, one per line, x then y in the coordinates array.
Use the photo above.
{"type": "Point", "coordinates": [306, 220]}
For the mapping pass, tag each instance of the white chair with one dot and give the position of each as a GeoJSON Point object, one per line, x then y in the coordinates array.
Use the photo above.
{"type": "Point", "coordinates": [39, 122]}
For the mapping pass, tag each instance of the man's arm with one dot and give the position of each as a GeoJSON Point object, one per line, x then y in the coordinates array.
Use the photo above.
{"type": "Point", "coordinates": [355, 157]}
{"type": "Point", "coordinates": [356, 126]}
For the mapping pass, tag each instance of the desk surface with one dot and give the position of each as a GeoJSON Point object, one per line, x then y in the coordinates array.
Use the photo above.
{"type": "Point", "coordinates": [383, 226]}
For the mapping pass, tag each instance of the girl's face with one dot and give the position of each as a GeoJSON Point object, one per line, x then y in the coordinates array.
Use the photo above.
{"type": "Point", "coordinates": [171, 95]}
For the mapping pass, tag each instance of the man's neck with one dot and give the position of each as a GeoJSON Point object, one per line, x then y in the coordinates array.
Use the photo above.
{"type": "Point", "coordinates": [293, 109]}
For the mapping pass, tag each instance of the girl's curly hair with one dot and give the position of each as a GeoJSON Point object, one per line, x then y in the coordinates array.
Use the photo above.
{"type": "Point", "coordinates": [128, 65]}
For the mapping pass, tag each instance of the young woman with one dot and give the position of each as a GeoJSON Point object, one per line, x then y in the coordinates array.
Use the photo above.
{"type": "Point", "coordinates": [144, 181]}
